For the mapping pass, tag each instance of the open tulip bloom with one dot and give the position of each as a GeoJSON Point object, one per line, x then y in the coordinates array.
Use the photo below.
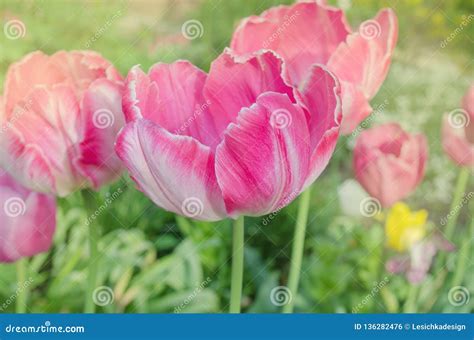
{"type": "Point", "coordinates": [312, 32]}
{"type": "Point", "coordinates": [59, 116]}
{"type": "Point", "coordinates": [237, 141]}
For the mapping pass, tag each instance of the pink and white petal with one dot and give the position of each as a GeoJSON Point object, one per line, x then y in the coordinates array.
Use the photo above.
{"type": "Point", "coordinates": [24, 75]}
{"type": "Point", "coordinates": [46, 134]}
{"type": "Point", "coordinates": [320, 93]}
{"type": "Point", "coordinates": [172, 97]}
{"type": "Point", "coordinates": [456, 145]}
{"type": "Point", "coordinates": [34, 230]}
{"type": "Point", "coordinates": [303, 34]}
{"type": "Point", "coordinates": [236, 82]}
{"type": "Point", "coordinates": [175, 172]}
{"type": "Point", "coordinates": [103, 119]}
{"type": "Point", "coordinates": [355, 107]}
{"type": "Point", "coordinates": [262, 163]}
{"type": "Point", "coordinates": [365, 57]}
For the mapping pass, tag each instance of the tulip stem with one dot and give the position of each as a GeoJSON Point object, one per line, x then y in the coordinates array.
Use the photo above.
{"type": "Point", "coordinates": [298, 248]}
{"type": "Point", "coordinates": [22, 292]}
{"type": "Point", "coordinates": [463, 178]}
{"type": "Point", "coordinates": [94, 235]}
{"type": "Point", "coordinates": [463, 257]}
{"type": "Point", "coordinates": [237, 265]}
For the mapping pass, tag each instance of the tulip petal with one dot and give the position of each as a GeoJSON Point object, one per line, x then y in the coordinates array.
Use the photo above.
{"type": "Point", "coordinates": [176, 172]}
{"type": "Point", "coordinates": [236, 82]}
{"type": "Point", "coordinates": [319, 93]}
{"type": "Point", "coordinates": [44, 133]}
{"type": "Point", "coordinates": [262, 163]}
{"type": "Point", "coordinates": [171, 96]}
{"type": "Point", "coordinates": [97, 159]}
{"type": "Point", "coordinates": [362, 63]}
{"type": "Point", "coordinates": [364, 59]}
{"type": "Point", "coordinates": [456, 145]}
{"type": "Point", "coordinates": [27, 220]}
{"type": "Point", "coordinates": [303, 34]}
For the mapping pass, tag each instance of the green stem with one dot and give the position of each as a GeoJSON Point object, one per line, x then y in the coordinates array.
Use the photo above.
{"type": "Point", "coordinates": [410, 303]}
{"type": "Point", "coordinates": [94, 235]}
{"type": "Point", "coordinates": [298, 248]}
{"type": "Point", "coordinates": [22, 292]}
{"type": "Point", "coordinates": [463, 178]}
{"type": "Point", "coordinates": [463, 257]}
{"type": "Point", "coordinates": [237, 265]}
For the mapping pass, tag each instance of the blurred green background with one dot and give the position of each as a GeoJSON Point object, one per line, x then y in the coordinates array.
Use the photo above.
{"type": "Point", "coordinates": [154, 262]}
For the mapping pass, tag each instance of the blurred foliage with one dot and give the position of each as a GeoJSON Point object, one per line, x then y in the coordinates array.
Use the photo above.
{"type": "Point", "coordinates": [155, 262]}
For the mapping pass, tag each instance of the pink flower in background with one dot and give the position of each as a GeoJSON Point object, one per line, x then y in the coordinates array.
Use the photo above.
{"type": "Point", "coordinates": [389, 162]}
{"type": "Point", "coordinates": [237, 141]}
{"type": "Point", "coordinates": [59, 118]}
{"type": "Point", "coordinates": [417, 263]}
{"type": "Point", "coordinates": [458, 132]}
{"type": "Point", "coordinates": [312, 32]}
{"type": "Point", "coordinates": [27, 220]}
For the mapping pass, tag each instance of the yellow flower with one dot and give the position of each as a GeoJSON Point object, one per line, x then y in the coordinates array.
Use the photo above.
{"type": "Point", "coordinates": [404, 227]}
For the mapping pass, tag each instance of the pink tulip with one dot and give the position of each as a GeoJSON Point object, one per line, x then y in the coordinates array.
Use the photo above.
{"type": "Point", "coordinates": [458, 132]}
{"type": "Point", "coordinates": [237, 141]}
{"type": "Point", "coordinates": [27, 220]}
{"type": "Point", "coordinates": [59, 118]}
{"type": "Point", "coordinates": [389, 162]}
{"type": "Point", "coordinates": [313, 32]}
